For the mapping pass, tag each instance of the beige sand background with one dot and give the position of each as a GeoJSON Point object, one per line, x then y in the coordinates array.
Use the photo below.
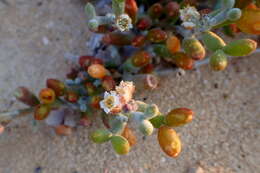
{"type": "Point", "coordinates": [223, 138]}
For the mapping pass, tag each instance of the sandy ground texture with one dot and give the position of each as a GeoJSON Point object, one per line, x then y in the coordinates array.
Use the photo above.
{"type": "Point", "coordinates": [223, 138]}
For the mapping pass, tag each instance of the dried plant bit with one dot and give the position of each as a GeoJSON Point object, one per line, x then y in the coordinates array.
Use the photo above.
{"type": "Point", "coordinates": [141, 58]}
{"type": "Point", "coordinates": [151, 81]}
{"type": "Point", "coordinates": [131, 9]}
{"type": "Point", "coordinates": [100, 136]}
{"type": "Point", "coordinates": [85, 121]}
{"type": "Point", "coordinates": [129, 135]}
{"type": "Point", "coordinates": [144, 23]}
{"type": "Point", "coordinates": [218, 61]}
{"type": "Point", "coordinates": [146, 127]}
{"type": "Point", "coordinates": [2, 129]}
{"type": "Point", "coordinates": [179, 117]}
{"type": "Point", "coordinates": [97, 71]}
{"type": "Point", "coordinates": [71, 96]}
{"type": "Point", "coordinates": [41, 111]}
{"type": "Point", "coordinates": [250, 21]}
{"type": "Point", "coordinates": [169, 141]}
{"type": "Point", "coordinates": [120, 144]}
{"type": "Point", "coordinates": [156, 35]}
{"type": "Point", "coordinates": [183, 61]}
{"type": "Point", "coordinates": [241, 47]}
{"type": "Point", "coordinates": [193, 48]}
{"type": "Point", "coordinates": [72, 74]}
{"type": "Point", "coordinates": [108, 83]}
{"type": "Point", "coordinates": [139, 41]}
{"type": "Point", "coordinates": [25, 96]}
{"type": "Point", "coordinates": [158, 121]}
{"type": "Point", "coordinates": [173, 44]}
{"type": "Point", "coordinates": [57, 86]}
{"type": "Point", "coordinates": [172, 9]}
{"type": "Point", "coordinates": [117, 39]}
{"type": "Point", "coordinates": [212, 41]}
{"type": "Point", "coordinates": [63, 130]}
{"type": "Point", "coordinates": [47, 96]}
{"type": "Point", "coordinates": [155, 11]}
{"type": "Point", "coordinates": [85, 61]}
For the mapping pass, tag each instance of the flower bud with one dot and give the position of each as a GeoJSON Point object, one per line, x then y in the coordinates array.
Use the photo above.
{"type": "Point", "coordinates": [120, 144]}
{"type": "Point", "coordinates": [193, 48]}
{"type": "Point", "coordinates": [131, 8]}
{"type": "Point", "coordinates": [152, 111]}
{"type": "Point", "coordinates": [25, 96]}
{"type": "Point", "coordinates": [146, 127]}
{"type": "Point", "coordinates": [72, 74]}
{"type": "Point", "coordinates": [93, 25]}
{"type": "Point", "coordinates": [108, 83]}
{"type": "Point", "coordinates": [156, 35]}
{"type": "Point", "coordinates": [155, 11]}
{"type": "Point", "coordinates": [234, 14]}
{"type": "Point", "coordinates": [117, 39]}
{"type": "Point", "coordinates": [173, 44]}
{"type": "Point", "coordinates": [178, 117]}
{"type": "Point", "coordinates": [144, 23]}
{"type": "Point", "coordinates": [41, 111]}
{"type": "Point", "coordinates": [63, 130]}
{"type": "Point", "coordinates": [57, 86]}
{"type": "Point", "coordinates": [47, 96]}
{"type": "Point", "coordinates": [142, 106]}
{"type": "Point", "coordinates": [218, 61]}
{"type": "Point", "coordinates": [212, 41]}
{"type": "Point", "coordinates": [158, 121]}
{"type": "Point", "coordinates": [97, 71]}
{"type": "Point", "coordinates": [241, 47]}
{"type": "Point", "coordinates": [140, 58]}
{"type": "Point", "coordinates": [71, 96]}
{"type": "Point", "coordinates": [129, 135]}
{"type": "Point", "coordinates": [182, 60]}
{"type": "Point", "coordinates": [100, 136]}
{"type": "Point", "coordinates": [250, 21]}
{"type": "Point", "coordinates": [139, 41]}
{"type": "Point", "coordinates": [169, 141]}
{"type": "Point", "coordinates": [172, 9]}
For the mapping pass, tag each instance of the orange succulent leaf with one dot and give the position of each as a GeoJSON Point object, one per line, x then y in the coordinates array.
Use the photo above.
{"type": "Point", "coordinates": [250, 21]}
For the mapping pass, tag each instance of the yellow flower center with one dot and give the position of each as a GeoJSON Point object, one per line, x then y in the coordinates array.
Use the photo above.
{"type": "Point", "coordinates": [109, 102]}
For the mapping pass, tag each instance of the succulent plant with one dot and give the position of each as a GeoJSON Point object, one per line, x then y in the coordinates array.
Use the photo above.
{"type": "Point", "coordinates": [138, 37]}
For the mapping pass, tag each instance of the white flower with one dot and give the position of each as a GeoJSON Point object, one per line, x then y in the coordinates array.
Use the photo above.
{"type": "Point", "coordinates": [188, 25]}
{"type": "Point", "coordinates": [189, 13]}
{"type": "Point", "coordinates": [111, 101]}
{"type": "Point", "coordinates": [124, 22]}
{"type": "Point", "coordinates": [125, 90]}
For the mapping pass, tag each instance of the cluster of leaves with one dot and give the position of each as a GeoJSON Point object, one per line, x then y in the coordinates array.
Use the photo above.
{"type": "Point", "coordinates": [139, 37]}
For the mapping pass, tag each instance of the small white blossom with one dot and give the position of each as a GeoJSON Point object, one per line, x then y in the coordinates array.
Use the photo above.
{"type": "Point", "coordinates": [124, 22]}
{"type": "Point", "coordinates": [189, 13]}
{"type": "Point", "coordinates": [125, 90]}
{"type": "Point", "coordinates": [111, 101]}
